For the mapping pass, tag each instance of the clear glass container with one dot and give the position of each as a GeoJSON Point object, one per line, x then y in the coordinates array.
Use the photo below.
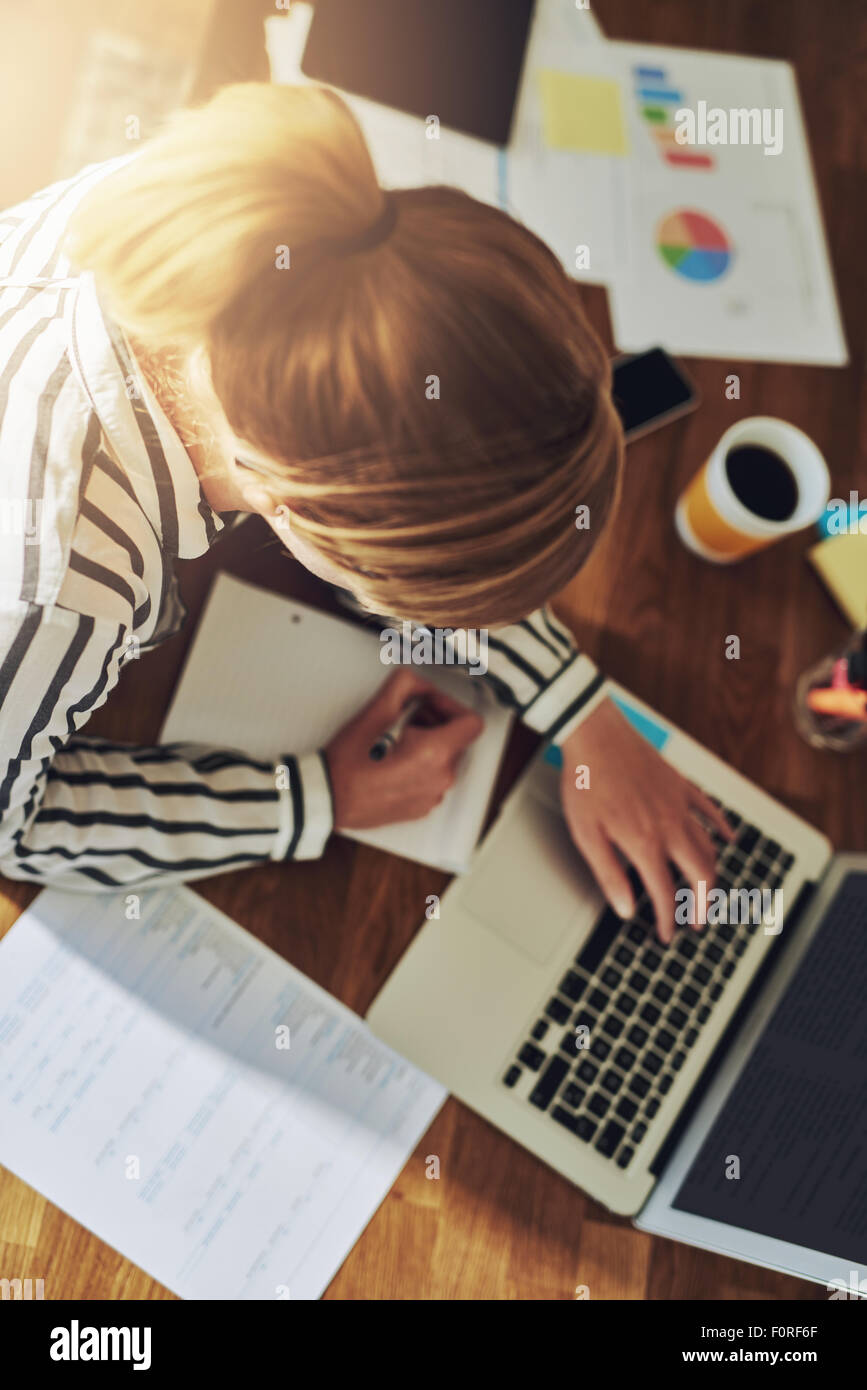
{"type": "Point", "coordinates": [826, 730]}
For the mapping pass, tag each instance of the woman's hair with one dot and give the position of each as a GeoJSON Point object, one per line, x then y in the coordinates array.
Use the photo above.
{"type": "Point", "coordinates": [434, 408]}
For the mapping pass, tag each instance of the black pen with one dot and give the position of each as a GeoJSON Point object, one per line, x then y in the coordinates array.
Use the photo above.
{"type": "Point", "coordinates": [390, 738]}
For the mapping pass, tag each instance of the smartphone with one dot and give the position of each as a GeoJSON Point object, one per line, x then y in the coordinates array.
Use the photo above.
{"type": "Point", "coordinates": [649, 390]}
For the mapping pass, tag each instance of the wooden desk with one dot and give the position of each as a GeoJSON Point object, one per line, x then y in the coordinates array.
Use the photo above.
{"type": "Point", "coordinates": [498, 1224]}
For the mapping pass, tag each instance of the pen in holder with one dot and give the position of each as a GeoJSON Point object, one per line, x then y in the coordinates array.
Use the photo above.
{"type": "Point", "coordinates": [831, 699]}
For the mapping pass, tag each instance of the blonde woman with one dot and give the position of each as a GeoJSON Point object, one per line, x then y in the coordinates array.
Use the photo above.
{"type": "Point", "coordinates": [238, 319]}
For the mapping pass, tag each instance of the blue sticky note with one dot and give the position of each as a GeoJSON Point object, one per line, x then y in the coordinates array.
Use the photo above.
{"type": "Point", "coordinates": [656, 733]}
{"type": "Point", "coordinates": [830, 523]}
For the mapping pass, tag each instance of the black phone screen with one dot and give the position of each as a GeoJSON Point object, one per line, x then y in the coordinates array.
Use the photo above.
{"type": "Point", "coordinates": [647, 386]}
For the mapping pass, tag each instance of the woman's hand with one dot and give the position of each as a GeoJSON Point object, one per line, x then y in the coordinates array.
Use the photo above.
{"type": "Point", "coordinates": [416, 775]}
{"type": "Point", "coordinates": [638, 803]}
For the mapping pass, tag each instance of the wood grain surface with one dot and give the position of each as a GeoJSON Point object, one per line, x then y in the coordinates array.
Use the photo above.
{"type": "Point", "coordinates": [498, 1224]}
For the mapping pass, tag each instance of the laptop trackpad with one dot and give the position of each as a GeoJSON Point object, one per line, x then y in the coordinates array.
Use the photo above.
{"type": "Point", "coordinates": [531, 885]}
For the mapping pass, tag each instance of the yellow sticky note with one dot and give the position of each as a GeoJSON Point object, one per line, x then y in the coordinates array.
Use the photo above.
{"type": "Point", "coordinates": [842, 562]}
{"type": "Point", "coordinates": [582, 113]}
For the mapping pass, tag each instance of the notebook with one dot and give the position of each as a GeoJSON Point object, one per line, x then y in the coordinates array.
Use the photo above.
{"type": "Point", "coordinates": [192, 1099]}
{"type": "Point", "coordinates": [270, 676]}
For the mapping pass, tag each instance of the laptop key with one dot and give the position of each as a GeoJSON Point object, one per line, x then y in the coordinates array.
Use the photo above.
{"type": "Point", "coordinates": [639, 1085]}
{"type": "Point", "coordinates": [623, 955]}
{"type": "Point", "coordinates": [624, 1058]}
{"type": "Point", "coordinates": [664, 1040]}
{"type": "Point", "coordinates": [703, 1014]}
{"type": "Point", "coordinates": [678, 1060]}
{"type": "Point", "coordinates": [665, 1083]}
{"type": "Point", "coordinates": [689, 996]}
{"type": "Point", "coordinates": [539, 1030]}
{"type": "Point", "coordinates": [613, 1026]}
{"type": "Point", "coordinates": [611, 978]}
{"type": "Point", "coordinates": [601, 938]}
{"type": "Point", "coordinates": [677, 1018]}
{"type": "Point", "coordinates": [690, 1037]}
{"type": "Point", "coordinates": [612, 1082]}
{"type": "Point", "coordinates": [652, 1062]}
{"type": "Point", "coordinates": [531, 1056]}
{"type": "Point", "coordinates": [638, 981]}
{"type": "Point", "coordinates": [636, 933]}
{"type": "Point", "coordinates": [570, 1043]}
{"type": "Point", "coordinates": [637, 1035]}
{"type": "Point", "coordinates": [626, 1108]}
{"type": "Point", "coordinates": [584, 1019]}
{"type": "Point", "coordinates": [662, 991]}
{"type": "Point", "coordinates": [651, 1014]}
{"type": "Point", "coordinates": [556, 1009]}
{"type": "Point", "coordinates": [626, 1003]}
{"type": "Point", "coordinates": [573, 1095]}
{"type": "Point", "coordinates": [609, 1138]}
{"type": "Point", "coordinates": [651, 1108]}
{"type": "Point", "coordinates": [686, 947]}
{"type": "Point", "coordinates": [579, 1124]}
{"type": "Point", "coordinates": [512, 1075]}
{"type": "Point", "coordinates": [546, 1087]}
{"type": "Point", "coordinates": [714, 953]}
{"type": "Point", "coordinates": [597, 1000]}
{"type": "Point", "coordinates": [600, 1048]}
{"type": "Point", "coordinates": [701, 973]}
{"type": "Point", "coordinates": [651, 959]}
{"type": "Point", "coordinates": [599, 1104]}
{"type": "Point", "coordinates": [572, 986]}
{"type": "Point", "coordinates": [624, 1158]}
{"type": "Point", "coordinates": [587, 1071]}
{"type": "Point", "coordinates": [674, 970]}
{"type": "Point", "coordinates": [638, 1132]}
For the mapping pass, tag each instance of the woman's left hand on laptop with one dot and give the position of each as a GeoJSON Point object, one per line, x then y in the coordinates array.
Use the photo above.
{"type": "Point", "coordinates": [619, 794]}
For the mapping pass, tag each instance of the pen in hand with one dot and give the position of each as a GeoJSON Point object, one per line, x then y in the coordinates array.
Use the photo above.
{"type": "Point", "coordinates": [390, 737]}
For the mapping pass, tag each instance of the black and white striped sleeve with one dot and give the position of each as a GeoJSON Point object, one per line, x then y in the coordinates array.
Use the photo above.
{"type": "Point", "coordinates": [89, 814]}
{"type": "Point", "coordinates": [535, 667]}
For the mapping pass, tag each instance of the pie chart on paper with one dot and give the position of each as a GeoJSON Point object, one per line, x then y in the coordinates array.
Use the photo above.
{"type": "Point", "coordinates": [693, 245]}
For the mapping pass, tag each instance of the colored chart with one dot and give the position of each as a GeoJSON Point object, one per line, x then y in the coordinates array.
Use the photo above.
{"type": "Point", "coordinates": [693, 245]}
{"type": "Point", "coordinates": [657, 101]}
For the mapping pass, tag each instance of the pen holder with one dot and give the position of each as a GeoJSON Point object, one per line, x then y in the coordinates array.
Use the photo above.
{"type": "Point", "coordinates": [825, 730]}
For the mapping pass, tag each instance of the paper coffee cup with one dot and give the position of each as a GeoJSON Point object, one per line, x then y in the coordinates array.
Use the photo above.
{"type": "Point", "coordinates": [714, 521]}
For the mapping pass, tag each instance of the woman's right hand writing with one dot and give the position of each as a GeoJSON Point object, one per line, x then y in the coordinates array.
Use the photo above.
{"type": "Point", "coordinates": [415, 776]}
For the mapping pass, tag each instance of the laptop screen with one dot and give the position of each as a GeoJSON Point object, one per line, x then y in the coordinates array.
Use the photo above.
{"type": "Point", "coordinates": [457, 60]}
{"type": "Point", "coordinates": [796, 1119]}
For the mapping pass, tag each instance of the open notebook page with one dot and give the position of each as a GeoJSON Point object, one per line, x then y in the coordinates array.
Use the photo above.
{"type": "Point", "coordinates": [270, 676]}
{"type": "Point", "coordinates": [188, 1096]}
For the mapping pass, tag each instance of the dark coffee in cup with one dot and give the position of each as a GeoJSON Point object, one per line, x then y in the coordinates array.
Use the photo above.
{"type": "Point", "coordinates": [762, 481]}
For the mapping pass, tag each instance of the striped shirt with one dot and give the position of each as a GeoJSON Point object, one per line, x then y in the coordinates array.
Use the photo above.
{"type": "Point", "coordinates": [98, 499]}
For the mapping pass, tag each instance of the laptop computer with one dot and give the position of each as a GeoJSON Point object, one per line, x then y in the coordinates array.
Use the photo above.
{"type": "Point", "coordinates": [460, 62]}
{"type": "Point", "coordinates": [714, 1090]}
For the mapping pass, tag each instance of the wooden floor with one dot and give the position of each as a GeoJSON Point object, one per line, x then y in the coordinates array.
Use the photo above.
{"type": "Point", "coordinates": [498, 1224]}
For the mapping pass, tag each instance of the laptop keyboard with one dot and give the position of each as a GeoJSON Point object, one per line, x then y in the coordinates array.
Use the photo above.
{"type": "Point", "coordinates": [643, 1006]}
